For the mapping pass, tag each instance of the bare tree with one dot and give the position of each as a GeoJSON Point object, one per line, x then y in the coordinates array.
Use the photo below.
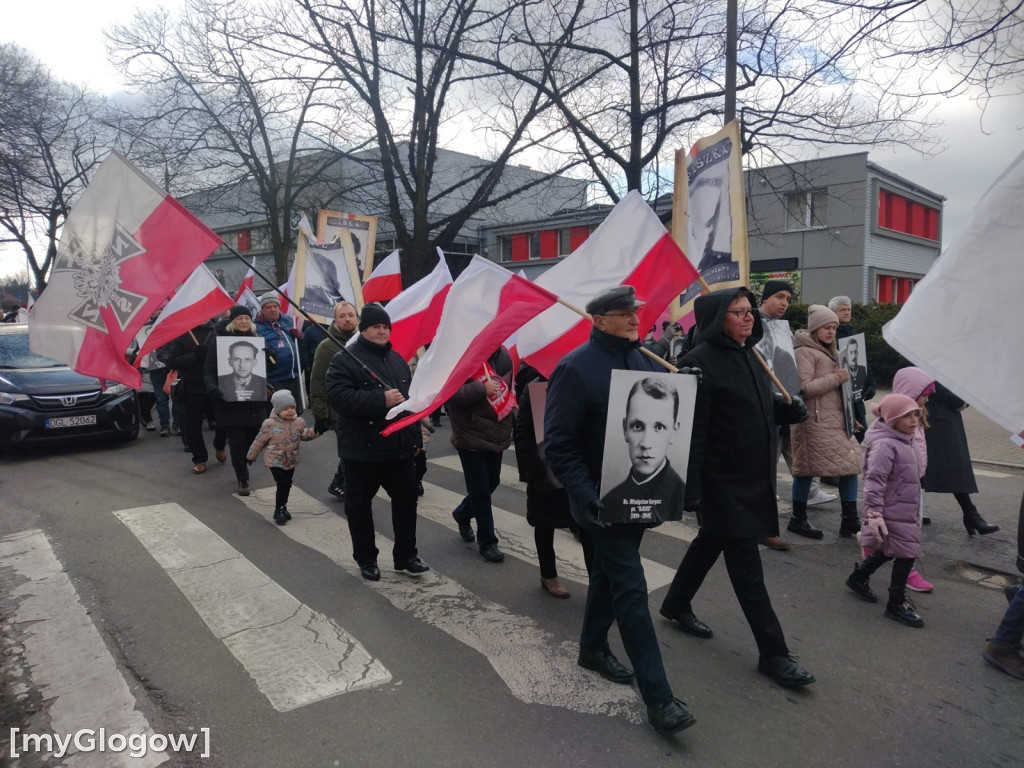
{"type": "Point", "coordinates": [219, 92]}
{"type": "Point", "coordinates": [49, 145]}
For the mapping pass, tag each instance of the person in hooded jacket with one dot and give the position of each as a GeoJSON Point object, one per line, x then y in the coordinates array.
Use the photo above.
{"type": "Point", "coordinates": [281, 335]}
{"type": "Point", "coordinates": [187, 355]}
{"type": "Point", "coordinates": [240, 419]}
{"type": "Point", "coordinates": [730, 475]}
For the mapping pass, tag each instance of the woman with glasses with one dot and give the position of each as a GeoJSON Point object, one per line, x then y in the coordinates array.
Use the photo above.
{"type": "Point", "coordinates": [822, 446]}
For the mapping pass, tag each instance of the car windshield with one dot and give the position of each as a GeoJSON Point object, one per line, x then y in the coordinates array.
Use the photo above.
{"type": "Point", "coordinates": [14, 353]}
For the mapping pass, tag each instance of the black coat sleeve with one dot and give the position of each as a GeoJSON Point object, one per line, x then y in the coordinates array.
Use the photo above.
{"type": "Point", "coordinates": [349, 394]}
{"type": "Point", "coordinates": [563, 423]}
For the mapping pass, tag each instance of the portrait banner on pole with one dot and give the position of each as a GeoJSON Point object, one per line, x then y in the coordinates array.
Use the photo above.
{"type": "Point", "coordinates": [324, 275]}
{"type": "Point", "coordinates": [358, 235]}
{"type": "Point", "coordinates": [242, 368]}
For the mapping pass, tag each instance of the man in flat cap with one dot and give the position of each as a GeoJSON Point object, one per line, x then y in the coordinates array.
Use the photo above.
{"type": "Point", "coordinates": [574, 429]}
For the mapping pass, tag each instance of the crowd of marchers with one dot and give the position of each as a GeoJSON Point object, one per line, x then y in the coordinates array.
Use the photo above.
{"type": "Point", "coordinates": [762, 391]}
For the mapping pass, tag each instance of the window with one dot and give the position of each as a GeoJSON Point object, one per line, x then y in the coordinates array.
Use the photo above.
{"type": "Point", "coordinates": [909, 217]}
{"type": "Point", "coordinates": [807, 210]}
{"type": "Point", "coordinates": [243, 240]}
{"type": "Point", "coordinates": [894, 290]}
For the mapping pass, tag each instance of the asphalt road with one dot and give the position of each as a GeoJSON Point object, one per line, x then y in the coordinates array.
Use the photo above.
{"type": "Point", "coordinates": [216, 618]}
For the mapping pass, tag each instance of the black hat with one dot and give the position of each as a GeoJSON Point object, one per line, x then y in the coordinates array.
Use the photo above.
{"type": "Point", "coordinates": [610, 299]}
{"type": "Point", "coordinates": [373, 314]}
{"type": "Point", "coordinates": [775, 286]}
{"type": "Point", "coordinates": [237, 310]}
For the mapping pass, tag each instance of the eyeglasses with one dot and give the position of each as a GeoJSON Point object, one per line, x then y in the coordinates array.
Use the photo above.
{"type": "Point", "coordinates": [739, 314]}
{"type": "Point", "coordinates": [624, 313]}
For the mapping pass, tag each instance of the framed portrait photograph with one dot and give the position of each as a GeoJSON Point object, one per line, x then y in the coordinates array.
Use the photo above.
{"type": "Point", "coordinates": [846, 393]}
{"type": "Point", "coordinates": [357, 233]}
{"type": "Point", "coordinates": [242, 368]}
{"type": "Point", "coordinates": [646, 446]}
{"type": "Point", "coordinates": [324, 275]}
{"type": "Point", "coordinates": [856, 362]}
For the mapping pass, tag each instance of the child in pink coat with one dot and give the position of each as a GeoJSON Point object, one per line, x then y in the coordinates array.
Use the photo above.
{"type": "Point", "coordinates": [892, 496]}
{"type": "Point", "coordinates": [281, 435]}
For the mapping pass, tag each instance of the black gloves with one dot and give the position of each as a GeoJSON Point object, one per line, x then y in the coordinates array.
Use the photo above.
{"type": "Point", "coordinates": [321, 426]}
{"type": "Point", "coordinates": [790, 413]}
{"type": "Point", "coordinates": [592, 515]}
{"type": "Point", "coordinates": [693, 372]}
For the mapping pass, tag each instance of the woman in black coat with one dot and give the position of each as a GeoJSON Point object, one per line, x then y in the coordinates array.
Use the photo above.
{"type": "Point", "coordinates": [949, 458]}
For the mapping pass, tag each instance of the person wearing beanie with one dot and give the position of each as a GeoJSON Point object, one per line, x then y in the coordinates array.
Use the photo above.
{"type": "Point", "coordinates": [281, 335]}
{"type": "Point", "coordinates": [892, 493]}
{"type": "Point", "coordinates": [281, 434]}
{"type": "Point", "coordinates": [363, 384]}
{"type": "Point", "coordinates": [823, 445]}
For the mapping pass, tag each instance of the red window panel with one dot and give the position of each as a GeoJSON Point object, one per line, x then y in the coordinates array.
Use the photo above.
{"type": "Point", "coordinates": [549, 244]}
{"type": "Point", "coordinates": [902, 289]}
{"type": "Point", "coordinates": [577, 236]}
{"type": "Point", "coordinates": [244, 240]}
{"type": "Point", "coordinates": [898, 217]}
{"type": "Point", "coordinates": [931, 224]}
{"type": "Point", "coordinates": [885, 289]}
{"type": "Point", "coordinates": [520, 247]}
{"type": "Point", "coordinates": [917, 220]}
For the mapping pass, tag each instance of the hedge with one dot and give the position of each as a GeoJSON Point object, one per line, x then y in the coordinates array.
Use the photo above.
{"type": "Point", "coordinates": [867, 319]}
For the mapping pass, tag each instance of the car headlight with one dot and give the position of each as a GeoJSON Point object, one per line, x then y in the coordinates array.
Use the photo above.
{"type": "Point", "coordinates": [9, 398]}
{"type": "Point", "coordinates": [118, 389]}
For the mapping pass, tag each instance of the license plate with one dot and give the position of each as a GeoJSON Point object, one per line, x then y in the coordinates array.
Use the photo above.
{"type": "Point", "coordinates": [71, 421]}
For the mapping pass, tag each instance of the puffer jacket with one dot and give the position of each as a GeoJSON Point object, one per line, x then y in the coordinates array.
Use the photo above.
{"type": "Point", "coordinates": [912, 382]}
{"type": "Point", "coordinates": [820, 444]}
{"type": "Point", "coordinates": [475, 425]}
{"type": "Point", "coordinates": [892, 487]}
{"type": "Point", "coordinates": [281, 438]}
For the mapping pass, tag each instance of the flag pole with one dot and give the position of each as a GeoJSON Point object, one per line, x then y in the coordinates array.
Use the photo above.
{"type": "Point", "coordinates": [341, 347]}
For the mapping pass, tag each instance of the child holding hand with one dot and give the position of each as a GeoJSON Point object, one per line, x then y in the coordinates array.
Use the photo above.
{"type": "Point", "coordinates": [281, 434]}
{"type": "Point", "coordinates": [892, 493]}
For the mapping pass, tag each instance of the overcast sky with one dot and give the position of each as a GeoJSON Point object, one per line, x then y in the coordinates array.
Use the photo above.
{"type": "Point", "coordinates": [66, 35]}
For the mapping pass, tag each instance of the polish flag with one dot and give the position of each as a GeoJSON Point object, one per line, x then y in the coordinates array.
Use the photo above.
{"type": "Point", "coordinates": [288, 289]}
{"type": "Point", "coordinates": [484, 307]}
{"type": "Point", "coordinates": [631, 247]}
{"type": "Point", "coordinates": [126, 245]}
{"type": "Point", "coordinates": [247, 282]}
{"type": "Point", "coordinates": [416, 312]}
{"type": "Point", "coordinates": [385, 281]}
{"type": "Point", "coordinates": [199, 298]}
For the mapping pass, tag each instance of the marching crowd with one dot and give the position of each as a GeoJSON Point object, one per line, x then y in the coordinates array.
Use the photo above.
{"type": "Point", "coordinates": [741, 424]}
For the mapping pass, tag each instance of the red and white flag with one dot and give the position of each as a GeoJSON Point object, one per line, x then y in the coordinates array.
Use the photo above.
{"type": "Point", "coordinates": [631, 247]}
{"type": "Point", "coordinates": [484, 307]}
{"type": "Point", "coordinates": [416, 312]}
{"type": "Point", "coordinates": [288, 289]}
{"type": "Point", "coordinates": [247, 281]}
{"type": "Point", "coordinates": [385, 281]}
{"type": "Point", "coordinates": [125, 247]}
{"type": "Point", "coordinates": [199, 298]}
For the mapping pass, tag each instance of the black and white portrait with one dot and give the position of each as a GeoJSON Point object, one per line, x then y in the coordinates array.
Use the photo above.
{"type": "Point", "coordinates": [647, 445]}
{"type": "Point", "coordinates": [856, 362]}
{"type": "Point", "coordinates": [326, 280]}
{"type": "Point", "coordinates": [846, 393]}
{"type": "Point", "coordinates": [356, 232]}
{"type": "Point", "coordinates": [241, 368]}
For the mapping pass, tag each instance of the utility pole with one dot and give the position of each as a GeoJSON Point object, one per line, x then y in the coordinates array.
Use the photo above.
{"type": "Point", "coordinates": [731, 14]}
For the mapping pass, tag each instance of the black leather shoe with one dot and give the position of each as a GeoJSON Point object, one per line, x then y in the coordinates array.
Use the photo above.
{"type": "Point", "coordinates": [414, 567]}
{"type": "Point", "coordinates": [243, 488]}
{"type": "Point", "coordinates": [279, 517]}
{"type": "Point", "coordinates": [370, 572]}
{"type": "Point", "coordinates": [466, 530]}
{"type": "Point", "coordinates": [803, 528]}
{"type": "Point", "coordinates": [492, 554]}
{"type": "Point", "coordinates": [337, 491]}
{"type": "Point", "coordinates": [606, 665]}
{"type": "Point", "coordinates": [286, 513]}
{"type": "Point", "coordinates": [669, 716]}
{"type": "Point", "coordinates": [689, 623]}
{"type": "Point", "coordinates": [785, 671]}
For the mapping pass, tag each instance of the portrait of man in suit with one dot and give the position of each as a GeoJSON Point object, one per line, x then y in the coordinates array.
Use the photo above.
{"type": "Point", "coordinates": [239, 365]}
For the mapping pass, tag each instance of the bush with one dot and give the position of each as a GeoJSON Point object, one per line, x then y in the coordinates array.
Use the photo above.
{"type": "Point", "coordinates": [867, 319]}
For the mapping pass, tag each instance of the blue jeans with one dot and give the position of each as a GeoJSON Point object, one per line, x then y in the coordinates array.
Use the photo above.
{"type": "Point", "coordinates": [158, 376]}
{"type": "Point", "coordinates": [482, 470]}
{"type": "Point", "coordinates": [618, 593]}
{"type": "Point", "coordinates": [847, 488]}
{"type": "Point", "coordinates": [1011, 629]}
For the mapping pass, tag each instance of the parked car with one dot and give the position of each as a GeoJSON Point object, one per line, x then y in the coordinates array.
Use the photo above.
{"type": "Point", "coordinates": [44, 400]}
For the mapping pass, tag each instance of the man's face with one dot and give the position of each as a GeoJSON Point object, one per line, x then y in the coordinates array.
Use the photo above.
{"type": "Point", "coordinates": [775, 306]}
{"type": "Point", "coordinates": [378, 334]}
{"type": "Point", "coordinates": [242, 360]}
{"type": "Point", "coordinates": [852, 353]}
{"type": "Point", "coordinates": [739, 320]}
{"type": "Point", "coordinates": [619, 322]}
{"type": "Point", "coordinates": [844, 313]}
{"type": "Point", "coordinates": [345, 319]}
{"type": "Point", "coordinates": [272, 311]}
{"type": "Point", "coordinates": [649, 428]}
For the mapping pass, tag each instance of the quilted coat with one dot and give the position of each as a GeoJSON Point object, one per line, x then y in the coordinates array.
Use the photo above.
{"type": "Point", "coordinates": [820, 445]}
{"type": "Point", "coordinates": [912, 382]}
{"type": "Point", "coordinates": [281, 438]}
{"type": "Point", "coordinates": [892, 486]}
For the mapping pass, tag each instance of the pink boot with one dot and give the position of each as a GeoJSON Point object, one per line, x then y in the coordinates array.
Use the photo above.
{"type": "Point", "coordinates": [917, 583]}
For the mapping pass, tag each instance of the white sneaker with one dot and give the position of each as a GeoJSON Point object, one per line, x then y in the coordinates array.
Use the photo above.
{"type": "Point", "coordinates": [820, 497]}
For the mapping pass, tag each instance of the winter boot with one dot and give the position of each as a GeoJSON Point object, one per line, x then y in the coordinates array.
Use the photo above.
{"type": "Point", "coordinates": [284, 511]}
{"type": "Point", "coordinates": [798, 522]}
{"type": "Point", "coordinates": [902, 610]}
{"type": "Point", "coordinates": [1006, 657]}
{"type": "Point", "coordinates": [279, 516]}
{"type": "Point", "coordinates": [849, 526]}
{"type": "Point", "coordinates": [975, 523]}
{"type": "Point", "coordinates": [858, 582]}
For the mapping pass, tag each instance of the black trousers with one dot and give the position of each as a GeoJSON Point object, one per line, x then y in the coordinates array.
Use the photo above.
{"type": "Point", "coordinates": [283, 478]}
{"type": "Point", "coordinates": [743, 561]}
{"type": "Point", "coordinates": [900, 569]}
{"type": "Point", "coordinates": [194, 407]}
{"type": "Point", "coordinates": [362, 481]}
{"type": "Point", "coordinates": [239, 440]}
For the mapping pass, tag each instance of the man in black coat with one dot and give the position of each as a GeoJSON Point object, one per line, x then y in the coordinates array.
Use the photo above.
{"type": "Point", "coordinates": [186, 355]}
{"type": "Point", "coordinates": [364, 382]}
{"type": "Point", "coordinates": [574, 429]}
{"type": "Point", "coordinates": [729, 478]}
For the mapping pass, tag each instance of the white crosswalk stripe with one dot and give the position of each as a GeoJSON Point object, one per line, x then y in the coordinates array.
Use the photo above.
{"type": "Point", "coordinates": [294, 654]}
{"type": "Point", "coordinates": [537, 667]}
